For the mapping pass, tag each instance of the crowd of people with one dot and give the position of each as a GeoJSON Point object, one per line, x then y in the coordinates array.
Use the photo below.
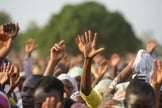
{"type": "Point", "coordinates": [88, 80]}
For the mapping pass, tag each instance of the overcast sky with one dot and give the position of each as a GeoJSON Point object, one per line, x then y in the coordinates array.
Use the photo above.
{"type": "Point", "coordinates": [143, 15]}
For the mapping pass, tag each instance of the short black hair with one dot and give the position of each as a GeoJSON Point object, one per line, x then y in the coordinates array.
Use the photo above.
{"type": "Point", "coordinates": [35, 79]}
{"type": "Point", "coordinates": [49, 83]}
{"type": "Point", "coordinates": [68, 102]}
{"type": "Point", "coordinates": [138, 86]}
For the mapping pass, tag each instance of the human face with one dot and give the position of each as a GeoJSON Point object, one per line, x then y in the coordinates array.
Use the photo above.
{"type": "Point", "coordinates": [140, 101]}
{"type": "Point", "coordinates": [40, 95]}
{"type": "Point", "coordinates": [28, 94]}
{"type": "Point", "coordinates": [78, 80]}
{"type": "Point", "coordinates": [68, 88]}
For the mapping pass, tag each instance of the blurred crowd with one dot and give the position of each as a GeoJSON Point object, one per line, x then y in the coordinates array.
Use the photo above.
{"type": "Point", "coordinates": [87, 80]}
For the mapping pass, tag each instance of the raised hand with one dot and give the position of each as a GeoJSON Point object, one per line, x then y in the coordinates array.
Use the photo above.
{"type": "Point", "coordinates": [156, 81]}
{"type": "Point", "coordinates": [115, 59]}
{"type": "Point", "coordinates": [14, 78]}
{"type": "Point", "coordinates": [87, 44]}
{"type": "Point", "coordinates": [9, 30]}
{"type": "Point", "coordinates": [30, 46]}
{"type": "Point", "coordinates": [103, 67]}
{"type": "Point", "coordinates": [50, 102]}
{"type": "Point", "coordinates": [151, 45]}
{"type": "Point", "coordinates": [157, 74]}
{"type": "Point", "coordinates": [7, 33]}
{"type": "Point", "coordinates": [57, 51]}
{"type": "Point", "coordinates": [4, 75]}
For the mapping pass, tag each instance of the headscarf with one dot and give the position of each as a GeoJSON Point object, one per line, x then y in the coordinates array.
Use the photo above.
{"type": "Point", "coordinates": [4, 100]}
{"type": "Point", "coordinates": [75, 72]}
{"type": "Point", "coordinates": [102, 86]}
{"type": "Point", "coordinates": [143, 66]}
{"type": "Point", "coordinates": [70, 79]}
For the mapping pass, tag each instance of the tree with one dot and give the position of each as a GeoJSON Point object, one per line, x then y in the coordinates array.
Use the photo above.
{"type": "Point", "coordinates": [4, 17]}
{"type": "Point", "coordinates": [115, 33]}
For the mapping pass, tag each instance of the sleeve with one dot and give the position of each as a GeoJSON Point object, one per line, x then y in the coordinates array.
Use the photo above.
{"type": "Point", "coordinates": [93, 100]}
{"type": "Point", "coordinates": [27, 67]}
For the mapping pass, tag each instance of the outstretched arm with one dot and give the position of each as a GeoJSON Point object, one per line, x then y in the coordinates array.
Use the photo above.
{"type": "Point", "coordinates": [57, 52]}
{"type": "Point", "coordinates": [87, 45]}
{"type": "Point", "coordinates": [156, 81]}
{"type": "Point", "coordinates": [7, 33]}
{"type": "Point", "coordinates": [151, 45]}
{"type": "Point", "coordinates": [30, 46]}
{"type": "Point", "coordinates": [122, 76]}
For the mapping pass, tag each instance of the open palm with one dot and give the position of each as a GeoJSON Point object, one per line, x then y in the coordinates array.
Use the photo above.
{"type": "Point", "coordinates": [87, 45]}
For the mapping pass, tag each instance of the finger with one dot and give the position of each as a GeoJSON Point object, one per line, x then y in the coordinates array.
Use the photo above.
{"type": "Point", "coordinates": [55, 49]}
{"type": "Point", "coordinates": [13, 28]}
{"type": "Point", "coordinates": [158, 65]}
{"type": "Point", "coordinates": [78, 39]}
{"type": "Point", "coordinates": [4, 67]}
{"type": "Point", "coordinates": [17, 26]}
{"type": "Point", "coordinates": [52, 102]}
{"type": "Point", "coordinates": [99, 51]}
{"type": "Point", "coordinates": [59, 105]}
{"type": "Point", "coordinates": [18, 79]}
{"type": "Point", "coordinates": [10, 69]}
{"type": "Point", "coordinates": [57, 46]}
{"type": "Point", "coordinates": [48, 102]}
{"type": "Point", "coordinates": [44, 104]}
{"type": "Point", "coordinates": [61, 42]}
{"type": "Point", "coordinates": [89, 36]}
{"type": "Point", "coordinates": [82, 39]}
{"type": "Point", "coordinates": [86, 37]}
{"type": "Point", "coordinates": [94, 38]}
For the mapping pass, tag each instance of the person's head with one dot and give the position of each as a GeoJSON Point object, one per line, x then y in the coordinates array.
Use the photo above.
{"type": "Point", "coordinates": [49, 87]}
{"type": "Point", "coordinates": [76, 73]}
{"type": "Point", "coordinates": [60, 69]}
{"type": "Point", "coordinates": [70, 84]}
{"type": "Point", "coordinates": [28, 90]}
{"type": "Point", "coordinates": [139, 94]}
{"type": "Point", "coordinates": [68, 102]}
{"type": "Point", "coordinates": [4, 102]}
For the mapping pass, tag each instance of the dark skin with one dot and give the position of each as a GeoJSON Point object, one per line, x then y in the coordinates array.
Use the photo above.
{"type": "Point", "coordinates": [51, 102]}
{"type": "Point", "coordinates": [41, 98]}
{"type": "Point", "coordinates": [156, 81]}
{"type": "Point", "coordinates": [102, 70]}
{"type": "Point", "coordinates": [56, 53]}
{"type": "Point", "coordinates": [87, 46]}
{"type": "Point", "coordinates": [7, 33]}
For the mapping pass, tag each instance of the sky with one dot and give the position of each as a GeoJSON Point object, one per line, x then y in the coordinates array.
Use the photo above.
{"type": "Point", "coordinates": [145, 16]}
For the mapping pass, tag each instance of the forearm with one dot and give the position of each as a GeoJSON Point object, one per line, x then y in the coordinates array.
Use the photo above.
{"type": "Point", "coordinates": [114, 72]}
{"type": "Point", "coordinates": [5, 50]}
{"type": "Point", "coordinates": [97, 79]}
{"type": "Point", "coordinates": [86, 77]}
{"type": "Point", "coordinates": [50, 68]}
{"type": "Point", "coordinates": [122, 76]}
{"type": "Point", "coordinates": [157, 95]}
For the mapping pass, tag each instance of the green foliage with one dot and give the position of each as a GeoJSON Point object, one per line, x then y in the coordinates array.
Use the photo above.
{"type": "Point", "coordinates": [114, 32]}
{"type": "Point", "coordinates": [4, 18]}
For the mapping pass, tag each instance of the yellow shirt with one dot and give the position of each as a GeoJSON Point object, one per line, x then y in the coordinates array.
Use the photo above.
{"type": "Point", "coordinates": [93, 100]}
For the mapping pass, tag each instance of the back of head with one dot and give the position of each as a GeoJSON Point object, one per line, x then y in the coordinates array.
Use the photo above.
{"type": "Point", "coordinates": [139, 87]}
{"type": "Point", "coordinates": [49, 87]}
{"type": "Point", "coordinates": [34, 79]}
{"type": "Point", "coordinates": [68, 102]}
{"type": "Point", "coordinates": [49, 83]}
